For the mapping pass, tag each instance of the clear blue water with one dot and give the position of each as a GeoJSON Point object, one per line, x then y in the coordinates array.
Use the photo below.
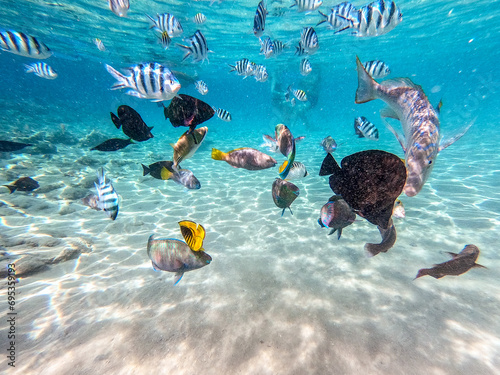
{"type": "Point", "coordinates": [281, 296]}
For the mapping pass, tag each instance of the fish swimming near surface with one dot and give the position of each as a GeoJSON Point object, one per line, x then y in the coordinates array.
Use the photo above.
{"type": "Point", "coordinates": [7, 146]}
{"type": "Point", "coordinates": [169, 254]}
{"type": "Point", "coordinates": [329, 144]}
{"type": "Point", "coordinates": [223, 114]}
{"type": "Point", "coordinates": [185, 110]}
{"type": "Point", "coordinates": [199, 18]}
{"type": "Point", "coordinates": [399, 210]}
{"type": "Point", "coordinates": [147, 81]}
{"type": "Point", "coordinates": [307, 5]}
{"type": "Point", "coordinates": [245, 157]}
{"type": "Point", "coordinates": [197, 47]}
{"type": "Point", "coordinates": [24, 45]}
{"type": "Point", "coordinates": [459, 264]}
{"type": "Point", "coordinates": [41, 70]}
{"type": "Point", "coordinates": [188, 144]}
{"type": "Point", "coordinates": [23, 184]}
{"type": "Point", "coordinates": [284, 193]}
{"type": "Point", "coordinates": [107, 196]}
{"type": "Point", "coordinates": [166, 23]}
{"type": "Point", "coordinates": [365, 129]}
{"type": "Point", "coordinates": [201, 87]}
{"type": "Point", "coordinates": [297, 171]}
{"type": "Point", "coordinates": [259, 20]}
{"type": "Point", "coordinates": [377, 69]}
{"type": "Point", "coordinates": [336, 214]}
{"type": "Point", "coordinates": [113, 144]}
{"type": "Point", "coordinates": [131, 123]}
{"type": "Point", "coordinates": [119, 7]}
{"type": "Point", "coordinates": [408, 103]}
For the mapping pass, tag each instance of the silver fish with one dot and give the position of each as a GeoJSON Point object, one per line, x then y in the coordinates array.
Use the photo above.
{"type": "Point", "coordinates": [259, 21]}
{"type": "Point", "coordinates": [365, 128]}
{"type": "Point", "coordinates": [107, 197]}
{"type": "Point", "coordinates": [266, 47]}
{"type": "Point", "coordinates": [340, 17]}
{"type": "Point", "coordinates": [307, 5]}
{"type": "Point", "coordinates": [223, 114]}
{"type": "Point", "coordinates": [202, 87]}
{"type": "Point", "coordinates": [41, 70]}
{"type": "Point", "coordinates": [23, 45]}
{"type": "Point", "coordinates": [377, 69]}
{"type": "Point", "coordinates": [305, 67]}
{"type": "Point", "coordinates": [329, 144]}
{"type": "Point", "coordinates": [198, 47]}
{"type": "Point", "coordinates": [199, 18]}
{"type": "Point", "coordinates": [99, 44]}
{"type": "Point", "coordinates": [260, 73]}
{"type": "Point", "coordinates": [243, 67]}
{"type": "Point", "coordinates": [119, 7]}
{"type": "Point", "coordinates": [166, 22]}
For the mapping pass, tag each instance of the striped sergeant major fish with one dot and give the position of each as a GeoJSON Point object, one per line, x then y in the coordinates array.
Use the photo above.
{"type": "Point", "coordinates": [199, 18]}
{"type": "Point", "coordinates": [377, 68]}
{"type": "Point", "coordinates": [278, 47]}
{"type": "Point", "coordinates": [119, 7]}
{"type": "Point", "coordinates": [259, 21]}
{"type": "Point", "coordinates": [309, 40]}
{"type": "Point", "coordinates": [243, 67]}
{"type": "Point", "coordinates": [408, 103]}
{"type": "Point", "coordinates": [198, 47]}
{"type": "Point", "coordinates": [223, 114]}
{"type": "Point", "coordinates": [166, 22]}
{"type": "Point", "coordinates": [266, 47]}
{"type": "Point", "coordinates": [307, 5]}
{"type": "Point", "coordinates": [23, 45]}
{"type": "Point", "coordinates": [299, 94]}
{"type": "Point", "coordinates": [339, 16]}
{"type": "Point", "coordinates": [365, 128]}
{"type": "Point", "coordinates": [202, 87]}
{"type": "Point", "coordinates": [260, 73]}
{"type": "Point", "coordinates": [305, 67]}
{"type": "Point", "coordinates": [41, 70]}
{"type": "Point", "coordinates": [147, 81]}
{"type": "Point", "coordinates": [106, 194]}
{"type": "Point", "coordinates": [299, 50]}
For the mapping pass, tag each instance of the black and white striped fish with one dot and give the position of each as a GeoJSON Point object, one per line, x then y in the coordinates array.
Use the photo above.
{"type": "Point", "coordinates": [41, 70]}
{"type": "Point", "coordinates": [147, 81]}
{"type": "Point", "coordinates": [201, 87]}
{"type": "Point", "coordinates": [165, 39]}
{"type": "Point", "coordinates": [23, 45]}
{"type": "Point", "coordinates": [309, 40]}
{"type": "Point", "coordinates": [266, 47]}
{"type": "Point", "coordinates": [305, 67]}
{"type": "Point", "coordinates": [223, 114]}
{"type": "Point", "coordinates": [198, 47]}
{"type": "Point", "coordinates": [259, 21]}
{"type": "Point", "coordinates": [278, 47]}
{"type": "Point", "coordinates": [243, 67]}
{"type": "Point", "coordinates": [365, 128]}
{"type": "Point", "coordinates": [119, 7]}
{"type": "Point", "coordinates": [166, 22]}
{"type": "Point", "coordinates": [106, 194]}
{"type": "Point", "coordinates": [299, 94]}
{"type": "Point", "coordinates": [199, 18]}
{"type": "Point", "coordinates": [260, 73]}
{"type": "Point", "coordinates": [307, 5]}
{"type": "Point", "coordinates": [299, 50]}
{"type": "Point", "coordinates": [377, 68]}
{"type": "Point", "coordinates": [340, 17]}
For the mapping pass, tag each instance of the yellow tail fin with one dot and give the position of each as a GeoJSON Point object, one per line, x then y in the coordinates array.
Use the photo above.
{"type": "Point", "coordinates": [218, 155]}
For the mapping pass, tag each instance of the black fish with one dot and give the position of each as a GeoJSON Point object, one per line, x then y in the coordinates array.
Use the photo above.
{"type": "Point", "coordinates": [23, 184]}
{"type": "Point", "coordinates": [131, 123]}
{"type": "Point", "coordinates": [6, 146]}
{"type": "Point", "coordinates": [113, 144]}
{"type": "Point", "coordinates": [187, 111]}
{"type": "Point", "coordinates": [155, 169]}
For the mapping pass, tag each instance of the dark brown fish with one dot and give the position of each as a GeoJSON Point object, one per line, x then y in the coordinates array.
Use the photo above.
{"type": "Point", "coordinates": [131, 123]}
{"type": "Point", "coordinates": [284, 139]}
{"type": "Point", "coordinates": [113, 144]}
{"type": "Point", "coordinates": [184, 110]}
{"type": "Point", "coordinates": [461, 263]}
{"type": "Point", "coordinates": [336, 214]}
{"type": "Point", "coordinates": [284, 193]}
{"type": "Point", "coordinates": [7, 146]}
{"type": "Point", "coordinates": [388, 240]}
{"type": "Point", "coordinates": [23, 184]}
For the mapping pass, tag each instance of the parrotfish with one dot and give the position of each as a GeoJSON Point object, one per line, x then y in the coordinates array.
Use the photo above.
{"type": "Point", "coordinates": [461, 263]}
{"type": "Point", "coordinates": [407, 103]}
{"type": "Point", "coordinates": [131, 123]}
{"type": "Point", "coordinates": [336, 214]}
{"type": "Point", "coordinates": [284, 193]}
{"type": "Point", "coordinates": [245, 157]}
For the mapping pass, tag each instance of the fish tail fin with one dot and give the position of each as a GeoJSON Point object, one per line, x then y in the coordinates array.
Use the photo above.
{"type": "Point", "coordinates": [233, 68]}
{"type": "Point", "coordinates": [478, 266]}
{"type": "Point", "coordinates": [290, 210]}
{"type": "Point", "coordinates": [218, 155]}
{"type": "Point", "coordinates": [186, 49]}
{"type": "Point", "coordinates": [165, 174]}
{"type": "Point", "coordinates": [145, 170]}
{"type": "Point", "coordinates": [115, 120]}
{"type": "Point", "coordinates": [388, 240]}
{"type": "Point", "coordinates": [122, 81]}
{"type": "Point", "coordinates": [28, 68]}
{"type": "Point", "coordinates": [12, 188]}
{"type": "Point", "coordinates": [423, 272]}
{"type": "Point", "coordinates": [366, 84]}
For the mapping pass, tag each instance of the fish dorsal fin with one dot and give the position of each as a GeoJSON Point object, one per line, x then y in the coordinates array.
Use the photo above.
{"type": "Point", "coordinates": [453, 255]}
{"type": "Point", "coordinates": [237, 149]}
{"type": "Point", "coordinates": [389, 112]}
{"type": "Point", "coordinates": [400, 137]}
{"type": "Point", "coordinates": [329, 166]}
{"type": "Point", "coordinates": [193, 234]}
{"type": "Point", "coordinates": [456, 137]}
{"type": "Point", "coordinates": [399, 83]}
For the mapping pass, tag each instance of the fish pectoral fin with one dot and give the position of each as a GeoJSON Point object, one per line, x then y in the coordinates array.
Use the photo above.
{"type": "Point", "coordinates": [178, 277]}
{"type": "Point", "coordinates": [456, 137]}
{"type": "Point", "coordinates": [400, 137]}
{"type": "Point", "coordinates": [389, 112]}
{"type": "Point", "coordinates": [478, 266]}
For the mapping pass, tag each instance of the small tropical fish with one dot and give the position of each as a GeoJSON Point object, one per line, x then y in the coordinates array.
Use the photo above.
{"type": "Point", "coordinates": [131, 123]}
{"type": "Point", "coordinates": [365, 128]}
{"type": "Point", "coordinates": [279, 11]}
{"type": "Point", "coordinates": [23, 184]}
{"type": "Point", "coordinates": [199, 18]}
{"type": "Point", "coordinates": [459, 264]}
{"type": "Point", "coordinates": [329, 144]}
{"type": "Point", "coordinates": [305, 67]}
{"type": "Point", "coordinates": [99, 44]}
{"type": "Point", "coordinates": [188, 144]}
{"type": "Point", "coordinates": [147, 81]}
{"type": "Point", "coordinates": [119, 7]}
{"type": "Point", "coordinates": [340, 17]}
{"type": "Point", "coordinates": [193, 234]}
{"type": "Point", "coordinates": [168, 254]}
{"type": "Point", "coordinates": [168, 23]}
{"type": "Point", "coordinates": [266, 47]}
{"type": "Point", "coordinates": [185, 110]}
{"type": "Point", "coordinates": [309, 40]}
{"type": "Point", "coordinates": [7, 146]}
{"type": "Point", "coordinates": [243, 67]}
{"type": "Point", "coordinates": [245, 157]}
{"type": "Point", "coordinates": [278, 47]}
{"type": "Point", "coordinates": [299, 50]}
{"type": "Point", "coordinates": [23, 45]}
{"type": "Point", "coordinates": [297, 171]}
{"type": "Point", "coordinates": [377, 68]}
{"type": "Point", "coordinates": [198, 47]}
{"type": "Point", "coordinates": [155, 169]}
{"type": "Point", "coordinates": [201, 87]}
{"type": "Point", "coordinates": [399, 210]}
{"type": "Point", "coordinates": [259, 21]}
{"type": "Point", "coordinates": [41, 70]}
{"type": "Point", "coordinates": [183, 177]}
{"type": "Point", "coordinates": [336, 214]}
{"type": "Point", "coordinates": [284, 193]}
{"type": "Point", "coordinates": [223, 114]}
{"type": "Point", "coordinates": [260, 73]}
{"type": "Point", "coordinates": [307, 5]}
{"type": "Point", "coordinates": [113, 144]}
{"type": "Point", "coordinates": [299, 94]}
{"type": "Point", "coordinates": [107, 197]}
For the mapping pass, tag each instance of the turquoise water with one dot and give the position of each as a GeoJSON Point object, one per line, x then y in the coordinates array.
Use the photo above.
{"type": "Point", "coordinates": [280, 296]}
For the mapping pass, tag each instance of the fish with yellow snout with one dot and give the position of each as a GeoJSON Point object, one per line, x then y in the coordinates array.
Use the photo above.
{"type": "Point", "coordinates": [245, 157]}
{"type": "Point", "coordinates": [173, 255]}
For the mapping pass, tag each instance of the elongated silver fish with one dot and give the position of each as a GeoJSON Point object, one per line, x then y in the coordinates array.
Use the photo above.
{"type": "Point", "coordinates": [107, 197]}
{"type": "Point", "coordinates": [23, 45]}
{"type": "Point", "coordinates": [119, 7]}
{"type": "Point", "coordinates": [41, 70]}
{"type": "Point", "coordinates": [198, 47]}
{"type": "Point", "coordinates": [259, 21]}
{"type": "Point", "coordinates": [147, 81]}
{"type": "Point", "coordinates": [166, 22]}
{"type": "Point", "coordinates": [377, 69]}
{"type": "Point", "coordinates": [408, 103]}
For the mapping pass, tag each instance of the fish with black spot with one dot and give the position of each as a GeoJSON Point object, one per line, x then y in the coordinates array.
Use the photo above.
{"type": "Point", "coordinates": [131, 123]}
{"type": "Point", "coordinates": [23, 184]}
{"type": "Point", "coordinates": [113, 144]}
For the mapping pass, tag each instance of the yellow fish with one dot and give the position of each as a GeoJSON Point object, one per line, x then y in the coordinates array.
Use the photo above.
{"type": "Point", "coordinates": [193, 234]}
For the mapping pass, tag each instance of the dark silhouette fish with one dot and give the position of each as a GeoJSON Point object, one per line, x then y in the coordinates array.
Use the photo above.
{"type": "Point", "coordinates": [113, 144]}
{"type": "Point", "coordinates": [7, 146]}
{"type": "Point", "coordinates": [184, 110]}
{"type": "Point", "coordinates": [284, 193]}
{"type": "Point", "coordinates": [155, 169]}
{"type": "Point", "coordinates": [23, 184]}
{"type": "Point", "coordinates": [336, 214]}
{"type": "Point", "coordinates": [461, 263]}
{"type": "Point", "coordinates": [131, 123]}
